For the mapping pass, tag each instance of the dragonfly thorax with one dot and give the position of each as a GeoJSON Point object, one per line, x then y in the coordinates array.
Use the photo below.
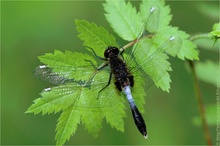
{"type": "Point", "coordinates": [118, 67]}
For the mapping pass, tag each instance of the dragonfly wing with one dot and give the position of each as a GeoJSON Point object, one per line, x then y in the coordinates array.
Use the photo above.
{"type": "Point", "coordinates": [46, 74]}
{"type": "Point", "coordinates": [84, 94]}
{"type": "Point", "coordinates": [63, 74]}
{"type": "Point", "coordinates": [149, 57]}
{"type": "Point", "coordinates": [152, 21]}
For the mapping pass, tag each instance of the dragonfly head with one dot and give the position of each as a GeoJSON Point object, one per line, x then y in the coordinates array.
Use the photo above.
{"type": "Point", "coordinates": [111, 51]}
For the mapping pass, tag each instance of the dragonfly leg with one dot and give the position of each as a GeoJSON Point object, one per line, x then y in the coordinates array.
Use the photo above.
{"type": "Point", "coordinates": [91, 63]}
{"type": "Point", "coordinates": [110, 77]}
{"type": "Point", "coordinates": [102, 66]}
{"type": "Point", "coordinates": [98, 68]}
{"type": "Point", "coordinates": [123, 50]}
{"type": "Point", "coordinates": [101, 58]}
{"type": "Point", "coordinates": [121, 53]}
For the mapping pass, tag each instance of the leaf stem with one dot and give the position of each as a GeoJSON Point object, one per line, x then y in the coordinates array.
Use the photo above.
{"type": "Point", "coordinates": [200, 36]}
{"type": "Point", "coordinates": [130, 44]}
{"type": "Point", "coordinates": [200, 104]}
{"type": "Point", "coordinates": [135, 41]}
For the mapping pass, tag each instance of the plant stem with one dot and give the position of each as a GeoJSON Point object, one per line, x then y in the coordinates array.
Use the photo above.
{"type": "Point", "coordinates": [198, 92]}
{"type": "Point", "coordinates": [135, 41]}
{"type": "Point", "coordinates": [200, 103]}
{"type": "Point", "coordinates": [200, 36]}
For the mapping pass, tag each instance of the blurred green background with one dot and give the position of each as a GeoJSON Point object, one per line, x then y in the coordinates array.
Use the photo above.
{"type": "Point", "coordinates": [32, 28]}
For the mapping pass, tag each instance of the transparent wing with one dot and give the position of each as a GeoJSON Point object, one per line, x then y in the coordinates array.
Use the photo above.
{"type": "Point", "coordinates": [151, 49]}
{"type": "Point", "coordinates": [84, 94]}
{"type": "Point", "coordinates": [152, 21]}
{"type": "Point", "coordinates": [149, 57]}
{"type": "Point", "coordinates": [61, 74]}
{"type": "Point", "coordinates": [44, 73]}
{"type": "Point", "coordinates": [147, 50]}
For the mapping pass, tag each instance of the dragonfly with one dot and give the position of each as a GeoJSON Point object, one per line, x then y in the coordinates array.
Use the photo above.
{"type": "Point", "coordinates": [123, 72]}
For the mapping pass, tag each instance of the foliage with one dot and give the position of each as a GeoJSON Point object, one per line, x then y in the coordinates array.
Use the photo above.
{"type": "Point", "coordinates": [211, 115]}
{"type": "Point", "coordinates": [80, 100]}
{"type": "Point", "coordinates": [216, 30]}
{"type": "Point", "coordinates": [208, 72]}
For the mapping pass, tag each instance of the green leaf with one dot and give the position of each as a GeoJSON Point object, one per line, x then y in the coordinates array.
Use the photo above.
{"type": "Point", "coordinates": [156, 14]}
{"type": "Point", "coordinates": [153, 62]}
{"type": "Point", "coordinates": [82, 103]}
{"type": "Point", "coordinates": [88, 117]}
{"type": "Point", "coordinates": [210, 115]}
{"type": "Point", "coordinates": [123, 18]}
{"type": "Point", "coordinates": [158, 19]}
{"type": "Point", "coordinates": [95, 37]}
{"type": "Point", "coordinates": [208, 71]}
{"type": "Point", "coordinates": [111, 102]}
{"type": "Point", "coordinates": [115, 117]}
{"type": "Point", "coordinates": [67, 124]}
{"type": "Point", "coordinates": [216, 30]}
{"type": "Point", "coordinates": [183, 48]}
{"type": "Point", "coordinates": [70, 65]}
{"type": "Point", "coordinates": [216, 26]}
{"type": "Point", "coordinates": [138, 92]}
{"type": "Point", "coordinates": [59, 98]}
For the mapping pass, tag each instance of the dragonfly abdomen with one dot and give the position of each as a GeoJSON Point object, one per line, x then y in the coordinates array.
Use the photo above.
{"type": "Point", "coordinates": [138, 119]}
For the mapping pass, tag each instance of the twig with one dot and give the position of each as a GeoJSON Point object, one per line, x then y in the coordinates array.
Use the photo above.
{"type": "Point", "coordinates": [200, 103]}
{"type": "Point", "coordinates": [135, 41]}
{"type": "Point", "coordinates": [198, 92]}
{"type": "Point", "coordinates": [200, 36]}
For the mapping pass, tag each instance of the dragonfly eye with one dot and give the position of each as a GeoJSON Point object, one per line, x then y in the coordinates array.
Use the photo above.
{"type": "Point", "coordinates": [111, 51]}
